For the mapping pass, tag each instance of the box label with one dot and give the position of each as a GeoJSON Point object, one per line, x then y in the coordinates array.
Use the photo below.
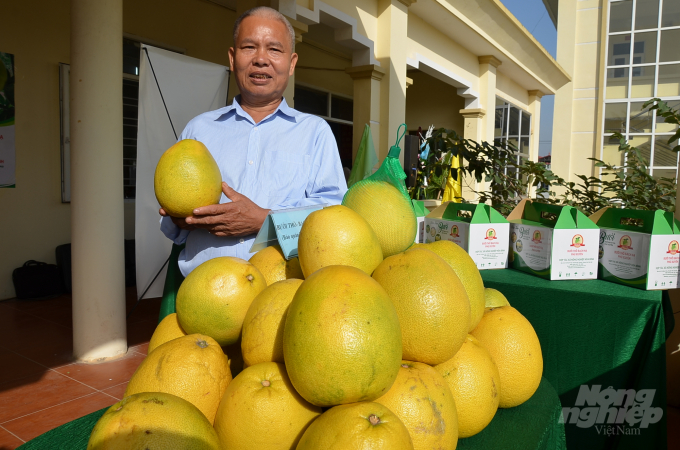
{"type": "Point", "coordinates": [420, 234]}
{"type": "Point", "coordinates": [624, 254]}
{"type": "Point", "coordinates": [574, 254]}
{"type": "Point", "coordinates": [664, 262]}
{"type": "Point", "coordinates": [488, 245]}
{"type": "Point", "coordinates": [447, 230]}
{"type": "Point", "coordinates": [531, 247]}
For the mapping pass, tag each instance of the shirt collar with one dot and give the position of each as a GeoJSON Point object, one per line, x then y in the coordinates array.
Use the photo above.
{"type": "Point", "coordinates": [282, 110]}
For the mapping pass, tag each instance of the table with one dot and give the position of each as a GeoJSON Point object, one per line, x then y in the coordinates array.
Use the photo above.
{"type": "Point", "coordinates": [596, 333]}
{"type": "Point", "coordinates": [530, 426]}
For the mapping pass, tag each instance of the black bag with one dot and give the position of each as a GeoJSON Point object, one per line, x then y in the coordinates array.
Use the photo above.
{"type": "Point", "coordinates": [37, 280]}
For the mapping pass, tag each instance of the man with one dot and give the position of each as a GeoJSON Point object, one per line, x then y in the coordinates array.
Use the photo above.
{"type": "Point", "coordinates": [270, 155]}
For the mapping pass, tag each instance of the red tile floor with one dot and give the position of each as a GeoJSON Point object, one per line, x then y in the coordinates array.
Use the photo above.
{"type": "Point", "coordinates": [41, 387]}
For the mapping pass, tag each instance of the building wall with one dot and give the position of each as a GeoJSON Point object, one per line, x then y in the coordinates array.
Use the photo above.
{"type": "Point", "coordinates": [334, 80]}
{"type": "Point", "coordinates": [509, 90]}
{"type": "Point", "coordinates": [34, 221]}
{"type": "Point", "coordinates": [424, 109]}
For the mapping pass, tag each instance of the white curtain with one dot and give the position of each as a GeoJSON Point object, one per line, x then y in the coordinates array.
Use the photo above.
{"type": "Point", "coordinates": [189, 87]}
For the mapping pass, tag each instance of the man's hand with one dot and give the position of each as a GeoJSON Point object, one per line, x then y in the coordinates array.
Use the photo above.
{"type": "Point", "coordinates": [180, 222]}
{"type": "Point", "coordinates": [241, 217]}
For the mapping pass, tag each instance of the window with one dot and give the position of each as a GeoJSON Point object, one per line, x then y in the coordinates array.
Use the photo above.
{"type": "Point", "coordinates": [335, 109]}
{"type": "Point", "coordinates": [512, 125]}
{"type": "Point", "coordinates": [643, 62]}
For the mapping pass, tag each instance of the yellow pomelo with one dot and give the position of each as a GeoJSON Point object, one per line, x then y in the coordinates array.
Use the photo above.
{"type": "Point", "coordinates": [214, 298]}
{"type": "Point", "coordinates": [192, 367]}
{"type": "Point", "coordinates": [475, 384]}
{"type": "Point", "coordinates": [186, 178]}
{"type": "Point", "coordinates": [261, 410]}
{"type": "Point", "coordinates": [421, 398]}
{"type": "Point", "coordinates": [167, 330]}
{"type": "Point", "coordinates": [153, 420]}
{"type": "Point", "coordinates": [337, 236]}
{"type": "Point", "coordinates": [342, 339]}
{"type": "Point", "coordinates": [431, 302]}
{"type": "Point", "coordinates": [467, 271]}
{"type": "Point", "coordinates": [271, 263]}
{"type": "Point", "coordinates": [357, 426]}
{"type": "Point", "coordinates": [494, 298]}
{"type": "Point", "coordinates": [514, 347]}
{"type": "Point", "coordinates": [262, 339]}
{"type": "Point", "coordinates": [387, 211]}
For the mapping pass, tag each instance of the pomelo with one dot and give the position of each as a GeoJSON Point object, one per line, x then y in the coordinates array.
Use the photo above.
{"type": "Point", "coordinates": [431, 302]}
{"type": "Point", "coordinates": [262, 339]}
{"type": "Point", "coordinates": [467, 271]}
{"type": "Point", "coordinates": [421, 398]}
{"type": "Point", "coordinates": [272, 264]}
{"type": "Point", "coordinates": [388, 212]}
{"type": "Point", "coordinates": [494, 298]}
{"type": "Point", "coordinates": [360, 426]}
{"type": "Point", "coordinates": [214, 298]}
{"type": "Point", "coordinates": [342, 339]}
{"type": "Point", "coordinates": [167, 330]}
{"type": "Point", "coordinates": [186, 178]}
{"type": "Point", "coordinates": [474, 381]}
{"type": "Point", "coordinates": [337, 236]}
{"type": "Point", "coordinates": [192, 367]}
{"type": "Point", "coordinates": [153, 420]}
{"type": "Point", "coordinates": [514, 347]}
{"type": "Point", "coordinates": [261, 410]}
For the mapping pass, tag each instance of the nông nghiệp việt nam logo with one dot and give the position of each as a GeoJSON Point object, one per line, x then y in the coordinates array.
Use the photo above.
{"type": "Point", "coordinates": [454, 231]}
{"type": "Point", "coordinates": [673, 248]}
{"type": "Point", "coordinates": [536, 237]}
{"type": "Point", "coordinates": [626, 243]}
{"type": "Point", "coordinates": [490, 234]}
{"type": "Point", "coordinates": [577, 241]}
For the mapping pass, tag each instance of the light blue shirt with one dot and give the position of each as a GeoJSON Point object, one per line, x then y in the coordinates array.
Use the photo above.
{"type": "Point", "coordinates": [287, 160]}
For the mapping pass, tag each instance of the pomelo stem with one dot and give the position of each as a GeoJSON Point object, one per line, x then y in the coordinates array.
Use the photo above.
{"type": "Point", "coordinates": [250, 278]}
{"type": "Point", "coordinates": [375, 420]}
{"type": "Point", "coordinates": [266, 383]}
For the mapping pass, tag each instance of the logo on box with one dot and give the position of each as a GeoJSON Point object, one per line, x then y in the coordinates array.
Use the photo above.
{"type": "Point", "coordinates": [454, 231]}
{"type": "Point", "coordinates": [490, 234]}
{"type": "Point", "coordinates": [537, 237]}
{"type": "Point", "coordinates": [673, 248]}
{"type": "Point", "coordinates": [577, 241]}
{"type": "Point", "coordinates": [625, 242]}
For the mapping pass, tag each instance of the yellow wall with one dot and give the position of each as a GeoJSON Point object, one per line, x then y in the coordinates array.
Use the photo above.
{"type": "Point", "coordinates": [434, 45]}
{"type": "Point", "coordinates": [34, 221]}
{"type": "Point", "coordinates": [424, 109]}
{"type": "Point", "coordinates": [336, 80]}
{"type": "Point", "coordinates": [508, 90]}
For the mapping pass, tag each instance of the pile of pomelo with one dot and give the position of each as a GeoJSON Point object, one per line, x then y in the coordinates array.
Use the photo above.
{"type": "Point", "coordinates": [342, 348]}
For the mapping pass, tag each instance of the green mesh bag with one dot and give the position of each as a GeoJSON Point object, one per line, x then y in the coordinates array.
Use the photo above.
{"type": "Point", "coordinates": [382, 199]}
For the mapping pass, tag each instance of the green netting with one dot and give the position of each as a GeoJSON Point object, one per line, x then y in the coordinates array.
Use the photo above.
{"type": "Point", "coordinates": [390, 170]}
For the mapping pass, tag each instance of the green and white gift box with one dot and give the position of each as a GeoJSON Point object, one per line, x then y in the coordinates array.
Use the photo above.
{"type": "Point", "coordinates": [478, 228]}
{"type": "Point", "coordinates": [421, 211]}
{"type": "Point", "coordinates": [639, 248]}
{"type": "Point", "coordinates": [553, 242]}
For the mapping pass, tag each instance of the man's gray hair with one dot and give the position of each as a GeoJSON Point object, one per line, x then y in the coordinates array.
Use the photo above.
{"type": "Point", "coordinates": [267, 13]}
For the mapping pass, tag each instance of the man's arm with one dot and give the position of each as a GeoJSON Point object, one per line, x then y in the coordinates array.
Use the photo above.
{"type": "Point", "coordinates": [326, 182]}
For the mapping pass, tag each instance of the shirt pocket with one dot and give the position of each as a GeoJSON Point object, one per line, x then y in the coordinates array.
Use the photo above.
{"type": "Point", "coordinates": [287, 176]}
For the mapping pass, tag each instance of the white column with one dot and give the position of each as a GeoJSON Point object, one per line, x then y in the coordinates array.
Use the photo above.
{"type": "Point", "coordinates": [97, 180]}
{"type": "Point", "coordinates": [535, 110]}
{"type": "Point", "coordinates": [366, 104]}
{"type": "Point", "coordinates": [487, 93]}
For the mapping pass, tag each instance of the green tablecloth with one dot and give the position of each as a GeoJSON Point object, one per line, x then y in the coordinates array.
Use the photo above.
{"type": "Point", "coordinates": [596, 333]}
{"type": "Point", "coordinates": [530, 426]}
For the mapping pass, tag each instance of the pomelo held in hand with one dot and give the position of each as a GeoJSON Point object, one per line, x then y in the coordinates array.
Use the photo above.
{"type": "Point", "coordinates": [187, 177]}
{"type": "Point", "coordinates": [153, 420]}
{"type": "Point", "coordinates": [214, 298]}
{"type": "Point", "coordinates": [192, 367]}
{"type": "Point", "coordinates": [431, 302]}
{"type": "Point", "coordinates": [514, 347]}
{"type": "Point", "coordinates": [342, 339]}
{"type": "Point", "coordinates": [421, 398]}
{"type": "Point", "coordinates": [337, 236]}
{"type": "Point", "coordinates": [357, 426]}
{"type": "Point", "coordinates": [475, 384]}
{"type": "Point", "coordinates": [388, 212]}
{"type": "Point", "coordinates": [261, 410]}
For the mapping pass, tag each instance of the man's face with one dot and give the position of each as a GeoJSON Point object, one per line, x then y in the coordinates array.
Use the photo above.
{"type": "Point", "coordinates": [262, 59]}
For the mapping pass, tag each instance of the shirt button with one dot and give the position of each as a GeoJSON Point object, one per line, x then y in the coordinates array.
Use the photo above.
{"type": "Point", "coordinates": [250, 162]}
{"type": "Point", "coordinates": [241, 241]}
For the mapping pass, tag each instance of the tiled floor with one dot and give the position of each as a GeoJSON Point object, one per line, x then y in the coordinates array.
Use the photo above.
{"type": "Point", "coordinates": [40, 385]}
